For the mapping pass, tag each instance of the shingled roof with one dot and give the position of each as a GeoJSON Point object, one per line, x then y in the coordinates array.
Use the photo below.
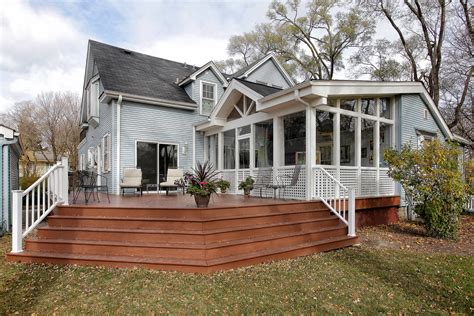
{"type": "Point", "coordinates": [261, 89]}
{"type": "Point", "coordinates": [130, 72]}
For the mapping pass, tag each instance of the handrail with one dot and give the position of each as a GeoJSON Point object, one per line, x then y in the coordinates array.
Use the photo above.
{"type": "Point", "coordinates": [37, 202]}
{"type": "Point", "coordinates": [337, 197]}
{"type": "Point", "coordinates": [42, 178]}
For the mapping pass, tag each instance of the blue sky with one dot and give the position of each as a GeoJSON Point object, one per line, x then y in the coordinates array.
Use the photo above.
{"type": "Point", "coordinates": [43, 43]}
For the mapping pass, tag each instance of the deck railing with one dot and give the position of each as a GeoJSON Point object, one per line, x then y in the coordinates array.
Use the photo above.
{"type": "Point", "coordinates": [31, 206]}
{"type": "Point", "coordinates": [338, 198]}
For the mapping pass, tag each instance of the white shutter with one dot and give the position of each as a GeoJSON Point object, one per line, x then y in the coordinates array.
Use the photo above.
{"type": "Point", "coordinates": [109, 152]}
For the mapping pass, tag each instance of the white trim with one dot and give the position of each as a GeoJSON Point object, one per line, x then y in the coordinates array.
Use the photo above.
{"type": "Point", "coordinates": [263, 61]}
{"type": "Point", "coordinates": [202, 82]}
{"type": "Point", "coordinates": [108, 95]}
{"type": "Point", "coordinates": [109, 149]}
{"type": "Point", "coordinates": [212, 65]}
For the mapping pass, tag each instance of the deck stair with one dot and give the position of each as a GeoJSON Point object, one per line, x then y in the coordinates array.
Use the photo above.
{"type": "Point", "coordinates": [190, 240]}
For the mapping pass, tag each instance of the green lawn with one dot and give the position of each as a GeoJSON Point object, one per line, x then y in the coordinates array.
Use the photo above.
{"type": "Point", "coordinates": [360, 280]}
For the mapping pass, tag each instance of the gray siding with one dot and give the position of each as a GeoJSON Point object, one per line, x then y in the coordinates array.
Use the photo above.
{"type": "Point", "coordinates": [412, 118]}
{"type": "Point", "coordinates": [194, 88]}
{"type": "Point", "coordinates": [269, 73]}
{"type": "Point", "coordinates": [94, 135]}
{"type": "Point", "coordinates": [141, 122]}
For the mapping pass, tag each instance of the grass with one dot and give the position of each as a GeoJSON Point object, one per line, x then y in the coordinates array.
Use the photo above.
{"type": "Point", "coordinates": [358, 280]}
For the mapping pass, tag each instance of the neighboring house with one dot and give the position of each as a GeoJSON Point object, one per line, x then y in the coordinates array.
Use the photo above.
{"type": "Point", "coordinates": [35, 163]}
{"type": "Point", "coordinates": [154, 114]}
{"type": "Point", "coordinates": [9, 172]}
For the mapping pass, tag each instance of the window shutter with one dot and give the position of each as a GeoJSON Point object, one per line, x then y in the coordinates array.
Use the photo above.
{"type": "Point", "coordinates": [109, 152]}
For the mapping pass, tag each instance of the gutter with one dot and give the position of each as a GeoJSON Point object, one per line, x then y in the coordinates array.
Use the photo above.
{"type": "Point", "coordinates": [108, 95]}
{"type": "Point", "coordinates": [4, 224]}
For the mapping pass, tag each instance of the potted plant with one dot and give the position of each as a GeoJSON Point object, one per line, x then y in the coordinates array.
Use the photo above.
{"type": "Point", "coordinates": [223, 185]}
{"type": "Point", "coordinates": [247, 185]}
{"type": "Point", "coordinates": [202, 183]}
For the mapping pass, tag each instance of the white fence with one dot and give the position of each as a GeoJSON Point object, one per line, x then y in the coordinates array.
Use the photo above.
{"type": "Point", "coordinates": [366, 181]}
{"type": "Point", "coordinates": [30, 207]}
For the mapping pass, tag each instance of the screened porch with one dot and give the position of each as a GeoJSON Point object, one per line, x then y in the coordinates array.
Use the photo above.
{"type": "Point", "coordinates": [345, 136]}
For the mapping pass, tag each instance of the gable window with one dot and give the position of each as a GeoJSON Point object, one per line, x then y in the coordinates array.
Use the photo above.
{"type": "Point", "coordinates": [208, 97]}
{"type": "Point", "coordinates": [423, 137]}
{"type": "Point", "coordinates": [92, 99]}
{"type": "Point", "coordinates": [106, 152]}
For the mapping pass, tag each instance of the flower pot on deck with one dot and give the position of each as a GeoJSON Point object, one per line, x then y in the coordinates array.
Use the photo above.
{"type": "Point", "coordinates": [202, 201]}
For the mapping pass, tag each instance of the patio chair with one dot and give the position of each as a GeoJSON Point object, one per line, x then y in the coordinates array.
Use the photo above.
{"type": "Point", "coordinates": [286, 181]}
{"type": "Point", "coordinates": [87, 181]}
{"type": "Point", "coordinates": [263, 180]}
{"type": "Point", "coordinates": [132, 179]}
{"type": "Point", "coordinates": [172, 176]}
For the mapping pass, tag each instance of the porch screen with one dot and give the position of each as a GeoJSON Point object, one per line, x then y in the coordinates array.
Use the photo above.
{"type": "Point", "coordinates": [295, 138]}
{"type": "Point", "coordinates": [385, 135]}
{"type": "Point", "coordinates": [367, 143]}
{"type": "Point", "coordinates": [347, 140]}
{"type": "Point", "coordinates": [229, 149]}
{"type": "Point", "coordinates": [324, 137]}
{"type": "Point", "coordinates": [264, 144]}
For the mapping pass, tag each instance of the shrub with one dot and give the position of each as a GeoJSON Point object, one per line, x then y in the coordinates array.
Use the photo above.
{"type": "Point", "coordinates": [433, 184]}
{"type": "Point", "coordinates": [26, 182]}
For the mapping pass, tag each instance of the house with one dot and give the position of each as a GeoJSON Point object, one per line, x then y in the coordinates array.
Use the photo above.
{"type": "Point", "coordinates": [35, 163]}
{"type": "Point", "coordinates": [140, 111]}
{"type": "Point", "coordinates": [9, 172]}
{"type": "Point", "coordinates": [154, 114]}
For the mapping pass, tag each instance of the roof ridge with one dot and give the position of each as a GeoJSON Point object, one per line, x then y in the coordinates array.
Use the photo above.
{"type": "Point", "coordinates": [148, 55]}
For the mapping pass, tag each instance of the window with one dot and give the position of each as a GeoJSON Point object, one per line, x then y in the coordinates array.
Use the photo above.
{"type": "Point", "coordinates": [347, 140]}
{"type": "Point", "coordinates": [91, 157]}
{"type": "Point", "coordinates": [263, 140]}
{"type": "Point", "coordinates": [106, 152]}
{"type": "Point", "coordinates": [244, 130]}
{"type": "Point", "coordinates": [425, 114]}
{"type": "Point", "coordinates": [424, 137]}
{"type": "Point", "coordinates": [368, 106]}
{"type": "Point", "coordinates": [229, 149]}
{"type": "Point", "coordinates": [349, 105]}
{"type": "Point", "coordinates": [324, 137]}
{"type": "Point", "coordinates": [208, 97]}
{"type": "Point", "coordinates": [385, 108]}
{"type": "Point", "coordinates": [294, 126]}
{"type": "Point", "coordinates": [385, 142]}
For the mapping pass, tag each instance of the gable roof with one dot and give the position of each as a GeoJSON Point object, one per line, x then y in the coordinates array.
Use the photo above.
{"type": "Point", "coordinates": [209, 65]}
{"type": "Point", "coordinates": [261, 89]}
{"type": "Point", "coordinates": [247, 70]}
{"type": "Point", "coordinates": [133, 73]}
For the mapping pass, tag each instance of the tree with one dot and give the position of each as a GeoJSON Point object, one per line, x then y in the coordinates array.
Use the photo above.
{"type": "Point", "coordinates": [310, 41]}
{"type": "Point", "coordinates": [433, 184]}
{"type": "Point", "coordinates": [378, 61]}
{"type": "Point", "coordinates": [427, 21]}
{"type": "Point", "coordinates": [50, 122]}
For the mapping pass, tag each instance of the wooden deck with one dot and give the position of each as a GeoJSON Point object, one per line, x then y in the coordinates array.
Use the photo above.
{"type": "Point", "coordinates": [170, 233]}
{"type": "Point", "coordinates": [174, 200]}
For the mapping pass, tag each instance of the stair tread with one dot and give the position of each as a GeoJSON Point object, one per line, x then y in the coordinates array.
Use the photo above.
{"type": "Point", "coordinates": [183, 245]}
{"type": "Point", "coordinates": [182, 262]}
{"type": "Point", "coordinates": [195, 232]}
{"type": "Point", "coordinates": [186, 219]}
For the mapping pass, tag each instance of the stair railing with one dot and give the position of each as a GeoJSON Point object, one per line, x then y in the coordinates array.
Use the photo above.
{"type": "Point", "coordinates": [37, 201]}
{"type": "Point", "coordinates": [338, 198]}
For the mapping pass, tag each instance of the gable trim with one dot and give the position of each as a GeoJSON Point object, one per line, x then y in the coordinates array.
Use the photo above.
{"type": "Point", "coordinates": [210, 65]}
{"type": "Point", "coordinates": [108, 95]}
{"type": "Point", "coordinates": [263, 61]}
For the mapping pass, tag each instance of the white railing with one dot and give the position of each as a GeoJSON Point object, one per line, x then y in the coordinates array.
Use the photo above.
{"type": "Point", "coordinates": [338, 198]}
{"type": "Point", "coordinates": [37, 201]}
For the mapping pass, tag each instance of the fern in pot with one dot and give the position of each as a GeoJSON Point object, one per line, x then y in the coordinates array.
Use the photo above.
{"type": "Point", "coordinates": [247, 185]}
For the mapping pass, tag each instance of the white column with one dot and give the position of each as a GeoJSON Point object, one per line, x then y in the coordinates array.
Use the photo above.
{"type": "Point", "coordinates": [17, 221]}
{"type": "Point", "coordinates": [220, 151]}
{"type": "Point", "coordinates": [236, 160]}
{"type": "Point", "coordinates": [358, 145]}
{"type": "Point", "coordinates": [310, 149]}
{"type": "Point", "coordinates": [194, 148]}
{"type": "Point", "coordinates": [337, 143]}
{"type": "Point", "coordinates": [252, 149]}
{"type": "Point", "coordinates": [277, 145]}
{"type": "Point", "coordinates": [351, 220]}
{"type": "Point", "coordinates": [377, 147]}
{"type": "Point", "coordinates": [65, 180]}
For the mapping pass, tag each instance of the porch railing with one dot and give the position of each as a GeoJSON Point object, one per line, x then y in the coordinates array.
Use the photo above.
{"type": "Point", "coordinates": [338, 198]}
{"type": "Point", "coordinates": [31, 206]}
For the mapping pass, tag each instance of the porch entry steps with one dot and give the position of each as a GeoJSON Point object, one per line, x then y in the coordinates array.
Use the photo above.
{"type": "Point", "coordinates": [189, 240]}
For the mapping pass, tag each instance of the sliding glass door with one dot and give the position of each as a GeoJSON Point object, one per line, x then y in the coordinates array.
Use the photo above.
{"type": "Point", "coordinates": [154, 159]}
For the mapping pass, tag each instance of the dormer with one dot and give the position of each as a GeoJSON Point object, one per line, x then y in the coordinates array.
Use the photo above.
{"type": "Point", "coordinates": [267, 71]}
{"type": "Point", "coordinates": [205, 86]}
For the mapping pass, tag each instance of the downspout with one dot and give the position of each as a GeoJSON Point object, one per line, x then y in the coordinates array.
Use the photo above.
{"type": "Point", "coordinates": [4, 223]}
{"type": "Point", "coordinates": [308, 159]}
{"type": "Point", "coordinates": [117, 185]}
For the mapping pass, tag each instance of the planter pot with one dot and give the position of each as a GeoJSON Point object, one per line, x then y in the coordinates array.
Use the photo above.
{"type": "Point", "coordinates": [223, 190]}
{"type": "Point", "coordinates": [247, 192]}
{"type": "Point", "coordinates": [202, 201]}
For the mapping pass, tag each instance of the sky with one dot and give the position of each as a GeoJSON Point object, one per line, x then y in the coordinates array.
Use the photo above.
{"type": "Point", "coordinates": [43, 44]}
